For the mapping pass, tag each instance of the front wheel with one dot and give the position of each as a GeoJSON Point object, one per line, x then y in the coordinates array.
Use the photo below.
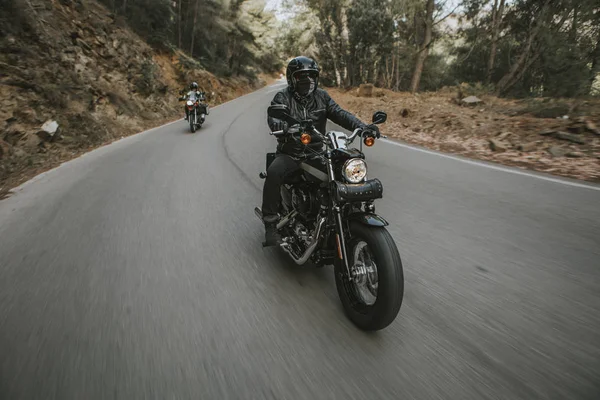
{"type": "Point", "coordinates": [193, 122]}
{"type": "Point", "coordinates": [373, 296]}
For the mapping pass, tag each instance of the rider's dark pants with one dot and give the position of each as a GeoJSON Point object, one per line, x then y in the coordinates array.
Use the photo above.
{"type": "Point", "coordinates": [282, 167]}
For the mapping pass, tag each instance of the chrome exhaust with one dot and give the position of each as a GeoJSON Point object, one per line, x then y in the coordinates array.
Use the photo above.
{"type": "Point", "coordinates": [309, 250]}
{"type": "Point", "coordinates": [284, 221]}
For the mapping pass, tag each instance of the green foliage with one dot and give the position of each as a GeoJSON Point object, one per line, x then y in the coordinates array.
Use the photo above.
{"type": "Point", "coordinates": [145, 81]}
{"type": "Point", "coordinates": [227, 37]}
{"type": "Point", "coordinates": [543, 48]}
{"type": "Point", "coordinates": [556, 40]}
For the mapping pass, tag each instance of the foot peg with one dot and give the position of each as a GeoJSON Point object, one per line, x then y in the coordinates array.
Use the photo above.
{"type": "Point", "coordinates": [258, 213]}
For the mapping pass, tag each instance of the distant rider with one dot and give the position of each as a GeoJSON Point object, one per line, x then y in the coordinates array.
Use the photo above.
{"type": "Point", "coordinates": [194, 94]}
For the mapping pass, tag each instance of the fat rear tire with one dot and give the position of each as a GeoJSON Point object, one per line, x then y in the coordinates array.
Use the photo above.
{"type": "Point", "coordinates": [390, 289]}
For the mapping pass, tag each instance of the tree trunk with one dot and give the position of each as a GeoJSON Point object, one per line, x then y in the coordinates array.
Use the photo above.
{"type": "Point", "coordinates": [194, 28]}
{"type": "Point", "coordinates": [179, 23]}
{"type": "Point", "coordinates": [497, 13]}
{"type": "Point", "coordinates": [338, 78]}
{"type": "Point", "coordinates": [387, 79]}
{"type": "Point", "coordinates": [424, 51]}
{"type": "Point", "coordinates": [396, 68]}
{"type": "Point", "coordinates": [574, 23]}
{"type": "Point", "coordinates": [595, 71]}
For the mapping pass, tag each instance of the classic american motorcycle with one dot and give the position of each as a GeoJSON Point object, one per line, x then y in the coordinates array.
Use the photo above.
{"type": "Point", "coordinates": [328, 217]}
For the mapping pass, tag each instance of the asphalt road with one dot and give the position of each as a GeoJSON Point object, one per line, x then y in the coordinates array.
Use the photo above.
{"type": "Point", "coordinates": [136, 272]}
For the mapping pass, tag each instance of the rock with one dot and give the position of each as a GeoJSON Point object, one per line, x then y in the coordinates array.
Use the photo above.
{"type": "Point", "coordinates": [496, 145]}
{"type": "Point", "coordinates": [568, 136]}
{"type": "Point", "coordinates": [592, 127]}
{"type": "Point", "coordinates": [30, 141]}
{"type": "Point", "coordinates": [67, 139]}
{"type": "Point", "coordinates": [575, 154]}
{"type": "Point", "coordinates": [556, 151]}
{"type": "Point", "coordinates": [531, 146]}
{"type": "Point", "coordinates": [18, 152]}
{"type": "Point", "coordinates": [79, 68]}
{"type": "Point", "coordinates": [504, 135]}
{"type": "Point", "coordinates": [14, 133]}
{"type": "Point", "coordinates": [365, 90]}
{"type": "Point", "coordinates": [27, 114]}
{"type": "Point", "coordinates": [471, 100]}
{"type": "Point", "coordinates": [49, 130]}
{"type": "Point", "coordinates": [83, 44]}
{"type": "Point", "coordinates": [5, 149]}
{"type": "Point", "coordinates": [405, 112]}
{"type": "Point", "coordinates": [563, 136]}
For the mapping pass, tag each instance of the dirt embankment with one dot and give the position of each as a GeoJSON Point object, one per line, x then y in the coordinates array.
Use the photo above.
{"type": "Point", "coordinates": [72, 65]}
{"type": "Point", "coordinates": [556, 136]}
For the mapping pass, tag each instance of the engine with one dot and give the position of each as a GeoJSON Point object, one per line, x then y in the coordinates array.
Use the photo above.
{"type": "Point", "coordinates": [305, 202]}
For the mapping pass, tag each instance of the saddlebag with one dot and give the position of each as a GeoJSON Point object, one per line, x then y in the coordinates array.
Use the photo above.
{"type": "Point", "coordinates": [369, 190]}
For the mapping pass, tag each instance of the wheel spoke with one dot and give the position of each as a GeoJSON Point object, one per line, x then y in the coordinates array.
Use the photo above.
{"type": "Point", "coordinates": [364, 274]}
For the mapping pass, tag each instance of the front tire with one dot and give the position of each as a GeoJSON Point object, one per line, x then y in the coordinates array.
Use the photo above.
{"type": "Point", "coordinates": [373, 298]}
{"type": "Point", "coordinates": [193, 122]}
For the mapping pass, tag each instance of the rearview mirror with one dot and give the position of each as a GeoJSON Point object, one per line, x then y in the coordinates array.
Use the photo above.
{"type": "Point", "coordinates": [281, 112]}
{"type": "Point", "coordinates": [379, 117]}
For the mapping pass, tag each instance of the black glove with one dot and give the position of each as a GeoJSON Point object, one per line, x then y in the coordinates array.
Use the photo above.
{"type": "Point", "coordinates": [371, 130]}
{"type": "Point", "coordinates": [278, 125]}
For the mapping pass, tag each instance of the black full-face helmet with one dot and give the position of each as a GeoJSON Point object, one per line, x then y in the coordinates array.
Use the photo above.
{"type": "Point", "coordinates": [194, 86]}
{"type": "Point", "coordinates": [302, 75]}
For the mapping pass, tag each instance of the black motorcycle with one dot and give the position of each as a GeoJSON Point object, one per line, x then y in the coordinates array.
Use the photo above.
{"type": "Point", "coordinates": [328, 217]}
{"type": "Point", "coordinates": [197, 110]}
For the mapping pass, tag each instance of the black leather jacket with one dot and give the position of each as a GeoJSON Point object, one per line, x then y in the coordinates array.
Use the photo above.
{"type": "Point", "coordinates": [319, 107]}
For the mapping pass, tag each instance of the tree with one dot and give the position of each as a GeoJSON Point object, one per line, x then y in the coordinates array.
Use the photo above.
{"type": "Point", "coordinates": [424, 50]}
{"type": "Point", "coordinates": [497, 14]}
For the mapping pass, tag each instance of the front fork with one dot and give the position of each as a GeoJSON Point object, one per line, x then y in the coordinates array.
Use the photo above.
{"type": "Point", "coordinates": [340, 241]}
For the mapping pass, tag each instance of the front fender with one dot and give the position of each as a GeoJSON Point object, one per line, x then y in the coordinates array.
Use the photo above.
{"type": "Point", "coordinates": [367, 219]}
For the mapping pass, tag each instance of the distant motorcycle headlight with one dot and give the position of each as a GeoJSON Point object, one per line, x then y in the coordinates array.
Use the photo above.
{"type": "Point", "coordinates": [355, 170]}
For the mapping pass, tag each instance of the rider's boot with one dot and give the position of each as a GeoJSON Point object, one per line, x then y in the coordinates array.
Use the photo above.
{"type": "Point", "coordinates": [272, 236]}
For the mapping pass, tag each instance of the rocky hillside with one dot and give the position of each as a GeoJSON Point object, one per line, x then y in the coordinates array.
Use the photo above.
{"type": "Point", "coordinates": [73, 76]}
{"type": "Point", "coordinates": [558, 136]}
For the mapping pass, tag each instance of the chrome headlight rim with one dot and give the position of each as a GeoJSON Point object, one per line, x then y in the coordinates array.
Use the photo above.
{"type": "Point", "coordinates": [361, 176]}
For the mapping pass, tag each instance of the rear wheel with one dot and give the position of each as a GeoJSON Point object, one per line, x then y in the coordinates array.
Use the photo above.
{"type": "Point", "coordinates": [372, 298]}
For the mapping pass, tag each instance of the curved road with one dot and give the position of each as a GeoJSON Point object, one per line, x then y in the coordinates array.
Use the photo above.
{"type": "Point", "coordinates": [136, 272]}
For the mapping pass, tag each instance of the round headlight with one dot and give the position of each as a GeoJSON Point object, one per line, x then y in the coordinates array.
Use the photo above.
{"type": "Point", "coordinates": [355, 170]}
{"type": "Point", "coordinates": [190, 103]}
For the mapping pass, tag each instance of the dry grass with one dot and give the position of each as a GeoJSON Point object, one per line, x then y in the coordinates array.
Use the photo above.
{"type": "Point", "coordinates": [436, 121]}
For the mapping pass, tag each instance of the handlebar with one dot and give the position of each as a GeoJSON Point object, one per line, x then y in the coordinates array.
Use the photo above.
{"type": "Point", "coordinates": [308, 126]}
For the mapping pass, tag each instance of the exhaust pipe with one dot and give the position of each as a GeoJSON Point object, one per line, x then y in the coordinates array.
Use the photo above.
{"type": "Point", "coordinates": [309, 250]}
{"type": "Point", "coordinates": [284, 221]}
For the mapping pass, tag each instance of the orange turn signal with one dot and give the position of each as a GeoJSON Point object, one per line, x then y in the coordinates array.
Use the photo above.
{"type": "Point", "coordinates": [369, 141]}
{"type": "Point", "coordinates": [305, 138]}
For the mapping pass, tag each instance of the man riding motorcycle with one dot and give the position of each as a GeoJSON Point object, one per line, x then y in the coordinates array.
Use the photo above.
{"type": "Point", "coordinates": [193, 94]}
{"type": "Point", "coordinates": [305, 101]}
